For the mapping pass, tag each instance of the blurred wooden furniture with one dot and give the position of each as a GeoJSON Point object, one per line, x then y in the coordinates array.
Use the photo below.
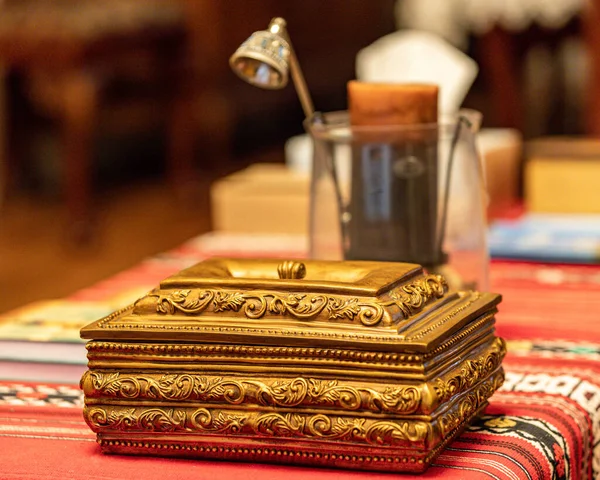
{"type": "Point", "coordinates": [77, 55]}
{"type": "Point", "coordinates": [499, 50]}
{"type": "Point", "coordinates": [503, 34]}
{"type": "Point", "coordinates": [500, 53]}
{"type": "Point", "coordinates": [73, 70]}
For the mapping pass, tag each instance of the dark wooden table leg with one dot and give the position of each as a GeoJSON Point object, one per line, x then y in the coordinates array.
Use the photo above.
{"type": "Point", "coordinates": [181, 123]}
{"type": "Point", "coordinates": [501, 72]}
{"type": "Point", "coordinates": [181, 141]}
{"type": "Point", "coordinates": [14, 134]}
{"type": "Point", "coordinates": [4, 148]}
{"type": "Point", "coordinates": [80, 103]}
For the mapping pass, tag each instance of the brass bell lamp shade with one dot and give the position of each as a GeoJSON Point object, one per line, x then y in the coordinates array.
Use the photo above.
{"type": "Point", "coordinates": [265, 59]}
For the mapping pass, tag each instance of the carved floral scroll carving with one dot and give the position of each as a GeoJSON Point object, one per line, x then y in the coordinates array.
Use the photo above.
{"type": "Point", "coordinates": [281, 393]}
{"type": "Point", "coordinates": [472, 372]}
{"type": "Point", "coordinates": [408, 299]}
{"type": "Point", "coordinates": [269, 424]}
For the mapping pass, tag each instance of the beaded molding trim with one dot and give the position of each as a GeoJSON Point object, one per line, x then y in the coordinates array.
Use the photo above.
{"type": "Point", "coordinates": [221, 452]}
{"type": "Point", "coordinates": [286, 455]}
{"type": "Point", "coordinates": [98, 349]}
{"type": "Point", "coordinates": [377, 358]}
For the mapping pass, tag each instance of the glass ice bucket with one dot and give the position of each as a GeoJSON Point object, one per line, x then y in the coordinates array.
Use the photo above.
{"type": "Point", "coordinates": [402, 193]}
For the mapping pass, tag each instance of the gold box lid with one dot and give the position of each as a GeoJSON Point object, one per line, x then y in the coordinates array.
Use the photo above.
{"type": "Point", "coordinates": [388, 307]}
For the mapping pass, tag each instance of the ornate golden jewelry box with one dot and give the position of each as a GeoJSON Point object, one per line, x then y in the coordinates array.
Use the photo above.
{"type": "Point", "coordinates": [366, 365]}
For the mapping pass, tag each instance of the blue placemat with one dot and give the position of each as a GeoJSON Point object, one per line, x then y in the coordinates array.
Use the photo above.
{"type": "Point", "coordinates": [547, 238]}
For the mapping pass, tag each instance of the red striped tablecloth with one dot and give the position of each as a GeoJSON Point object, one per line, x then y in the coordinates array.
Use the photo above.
{"type": "Point", "coordinates": [543, 424]}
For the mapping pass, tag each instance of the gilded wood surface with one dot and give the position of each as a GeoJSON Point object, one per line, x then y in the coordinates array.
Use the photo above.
{"type": "Point", "coordinates": [177, 352]}
{"type": "Point", "coordinates": [471, 372]}
{"type": "Point", "coordinates": [281, 451]}
{"type": "Point", "coordinates": [471, 403]}
{"type": "Point", "coordinates": [234, 449]}
{"type": "Point", "coordinates": [174, 351]}
{"type": "Point", "coordinates": [261, 424]}
{"type": "Point", "coordinates": [320, 372]}
{"type": "Point", "coordinates": [407, 299]}
{"type": "Point", "coordinates": [300, 424]}
{"type": "Point", "coordinates": [423, 331]}
{"type": "Point", "coordinates": [302, 390]}
{"type": "Point", "coordinates": [417, 333]}
{"type": "Point", "coordinates": [235, 391]}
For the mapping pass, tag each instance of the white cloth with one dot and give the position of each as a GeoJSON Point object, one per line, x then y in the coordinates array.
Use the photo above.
{"type": "Point", "coordinates": [410, 56]}
{"type": "Point", "coordinates": [455, 19]}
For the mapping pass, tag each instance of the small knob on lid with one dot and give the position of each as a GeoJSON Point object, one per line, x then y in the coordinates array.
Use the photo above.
{"type": "Point", "coordinates": [291, 270]}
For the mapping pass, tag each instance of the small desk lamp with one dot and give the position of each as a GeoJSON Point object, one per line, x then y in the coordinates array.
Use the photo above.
{"type": "Point", "coordinates": [265, 58]}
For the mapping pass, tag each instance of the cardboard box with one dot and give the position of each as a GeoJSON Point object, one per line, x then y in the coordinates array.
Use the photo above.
{"type": "Point", "coordinates": [562, 175]}
{"type": "Point", "coordinates": [502, 151]}
{"type": "Point", "coordinates": [263, 198]}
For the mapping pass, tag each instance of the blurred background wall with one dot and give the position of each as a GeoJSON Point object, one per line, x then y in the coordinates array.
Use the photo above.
{"type": "Point", "coordinates": [118, 115]}
{"type": "Point", "coordinates": [533, 77]}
